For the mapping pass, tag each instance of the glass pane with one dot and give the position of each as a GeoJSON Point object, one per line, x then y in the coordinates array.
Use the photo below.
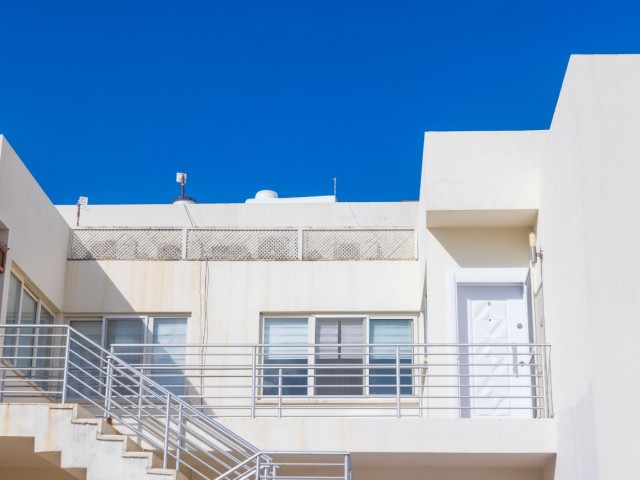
{"type": "Point", "coordinates": [85, 359]}
{"type": "Point", "coordinates": [45, 351]}
{"type": "Point", "coordinates": [24, 352]}
{"type": "Point", "coordinates": [337, 376]}
{"type": "Point", "coordinates": [13, 299]}
{"type": "Point", "coordinates": [286, 377]}
{"type": "Point", "coordinates": [13, 303]}
{"type": "Point", "coordinates": [168, 332]}
{"type": "Point", "coordinates": [391, 332]}
{"type": "Point", "coordinates": [126, 331]}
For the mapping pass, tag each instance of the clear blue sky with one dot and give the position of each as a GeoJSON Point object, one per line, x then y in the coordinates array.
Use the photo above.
{"type": "Point", "coordinates": [108, 99]}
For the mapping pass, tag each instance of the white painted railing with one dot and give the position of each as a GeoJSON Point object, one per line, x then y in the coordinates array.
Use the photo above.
{"type": "Point", "coordinates": [374, 380]}
{"type": "Point", "coordinates": [58, 364]}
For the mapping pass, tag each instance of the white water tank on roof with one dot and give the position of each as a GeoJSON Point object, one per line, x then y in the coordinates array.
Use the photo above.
{"type": "Point", "coordinates": [266, 195]}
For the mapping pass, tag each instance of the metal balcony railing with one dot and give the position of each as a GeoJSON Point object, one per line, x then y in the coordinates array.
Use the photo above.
{"type": "Point", "coordinates": [58, 364]}
{"type": "Point", "coordinates": [372, 380]}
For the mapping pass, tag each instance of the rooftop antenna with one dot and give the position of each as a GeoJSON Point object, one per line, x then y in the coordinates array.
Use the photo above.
{"type": "Point", "coordinates": [181, 178]}
{"type": "Point", "coordinates": [335, 187]}
{"type": "Point", "coordinates": [82, 202]}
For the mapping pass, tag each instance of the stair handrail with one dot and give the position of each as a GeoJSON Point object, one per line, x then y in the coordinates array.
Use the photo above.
{"type": "Point", "coordinates": [203, 429]}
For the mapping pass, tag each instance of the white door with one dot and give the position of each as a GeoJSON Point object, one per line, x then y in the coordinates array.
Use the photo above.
{"type": "Point", "coordinates": [496, 372]}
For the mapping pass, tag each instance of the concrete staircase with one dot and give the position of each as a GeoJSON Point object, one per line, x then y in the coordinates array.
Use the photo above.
{"type": "Point", "coordinates": [62, 442]}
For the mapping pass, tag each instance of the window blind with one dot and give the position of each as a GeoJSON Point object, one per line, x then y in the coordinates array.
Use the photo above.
{"type": "Point", "coordinates": [283, 331]}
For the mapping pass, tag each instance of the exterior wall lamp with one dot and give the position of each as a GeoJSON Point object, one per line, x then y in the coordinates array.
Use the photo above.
{"type": "Point", "coordinates": [533, 251]}
{"type": "Point", "coordinates": [3, 256]}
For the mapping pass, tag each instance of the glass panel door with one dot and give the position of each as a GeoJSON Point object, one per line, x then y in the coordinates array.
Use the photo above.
{"type": "Point", "coordinates": [168, 334]}
{"type": "Point", "coordinates": [13, 306]}
{"type": "Point", "coordinates": [28, 312]}
{"type": "Point", "coordinates": [126, 331]}
{"type": "Point", "coordinates": [85, 360]}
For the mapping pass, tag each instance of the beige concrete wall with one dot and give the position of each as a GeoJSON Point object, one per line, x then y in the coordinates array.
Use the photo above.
{"type": "Point", "coordinates": [589, 230]}
{"type": "Point", "coordinates": [481, 170]}
{"type": "Point", "coordinates": [38, 236]}
{"type": "Point", "coordinates": [452, 249]}
{"type": "Point", "coordinates": [230, 296]}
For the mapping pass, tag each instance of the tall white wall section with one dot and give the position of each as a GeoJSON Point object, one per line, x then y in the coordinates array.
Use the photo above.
{"type": "Point", "coordinates": [589, 230]}
{"type": "Point", "coordinates": [38, 236]}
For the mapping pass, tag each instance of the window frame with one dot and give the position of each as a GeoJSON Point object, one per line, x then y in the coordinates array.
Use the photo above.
{"type": "Point", "coordinates": [40, 304]}
{"type": "Point", "coordinates": [148, 324]}
{"type": "Point", "coordinates": [148, 321]}
{"type": "Point", "coordinates": [311, 340]}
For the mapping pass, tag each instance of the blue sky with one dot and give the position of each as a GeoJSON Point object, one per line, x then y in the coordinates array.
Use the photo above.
{"type": "Point", "coordinates": [109, 99]}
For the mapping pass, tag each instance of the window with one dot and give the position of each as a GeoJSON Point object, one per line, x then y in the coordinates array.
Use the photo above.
{"type": "Point", "coordinates": [382, 379]}
{"type": "Point", "coordinates": [337, 341]}
{"type": "Point", "coordinates": [291, 336]}
{"type": "Point", "coordinates": [168, 334]}
{"type": "Point", "coordinates": [25, 308]}
{"type": "Point", "coordinates": [334, 357]}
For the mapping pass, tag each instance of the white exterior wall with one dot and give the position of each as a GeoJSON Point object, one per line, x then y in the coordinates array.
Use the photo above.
{"type": "Point", "coordinates": [581, 176]}
{"type": "Point", "coordinates": [38, 236]}
{"type": "Point", "coordinates": [589, 230]}
{"type": "Point", "coordinates": [255, 215]}
{"type": "Point", "coordinates": [238, 292]}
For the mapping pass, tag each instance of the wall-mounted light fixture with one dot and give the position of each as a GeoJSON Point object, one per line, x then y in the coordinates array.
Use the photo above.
{"type": "Point", "coordinates": [3, 256]}
{"type": "Point", "coordinates": [533, 251]}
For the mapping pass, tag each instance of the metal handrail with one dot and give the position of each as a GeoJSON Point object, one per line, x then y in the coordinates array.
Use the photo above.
{"type": "Point", "coordinates": [358, 380]}
{"type": "Point", "coordinates": [59, 363]}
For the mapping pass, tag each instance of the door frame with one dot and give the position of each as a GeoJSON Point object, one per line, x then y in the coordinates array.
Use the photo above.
{"type": "Point", "coordinates": [477, 277]}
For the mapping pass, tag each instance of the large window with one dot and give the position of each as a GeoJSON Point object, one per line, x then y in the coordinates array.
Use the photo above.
{"type": "Point", "coordinates": [337, 355]}
{"type": "Point", "coordinates": [25, 308]}
{"type": "Point", "coordinates": [168, 334]}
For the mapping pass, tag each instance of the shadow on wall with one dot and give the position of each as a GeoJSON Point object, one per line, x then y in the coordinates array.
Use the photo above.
{"type": "Point", "coordinates": [92, 290]}
{"type": "Point", "coordinates": [485, 247]}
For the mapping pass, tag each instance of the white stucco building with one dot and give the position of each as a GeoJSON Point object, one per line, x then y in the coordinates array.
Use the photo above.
{"type": "Point", "coordinates": [427, 339]}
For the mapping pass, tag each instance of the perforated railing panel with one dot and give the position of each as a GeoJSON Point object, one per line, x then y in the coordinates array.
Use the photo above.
{"type": "Point", "coordinates": [358, 244]}
{"type": "Point", "coordinates": [242, 244]}
{"type": "Point", "coordinates": [126, 244]}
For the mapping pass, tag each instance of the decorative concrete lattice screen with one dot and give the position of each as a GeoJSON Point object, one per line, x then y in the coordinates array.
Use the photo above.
{"type": "Point", "coordinates": [242, 244]}
{"type": "Point", "coordinates": [238, 244]}
{"type": "Point", "coordinates": [126, 244]}
{"type": "Point", "coordinates": [358, 245]}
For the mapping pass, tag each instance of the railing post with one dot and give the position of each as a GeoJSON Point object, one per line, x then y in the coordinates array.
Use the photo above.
{"type": "Point", "coordinates": [280, 392]}
{"type": "Point", "coordinates": [65, 373]}
{"type": "Point", "coordinates": [184, 243]}
{"type": "Point", "coordinates": [2, 385]}
{"type": "Point", "coordinates": [180, 437]}
{"type": "Point", "coordinates": [167, 419]}
{"type": "Point", "coordinates": [258, 467]}
{"type": "Point", "coordinates": [545, 400]}
{"type": "Point", "coordinates": [140, 392]}
{"type": "Point", "coordinates": [253, 381]}
{"type": "Point", "coordinates": [109, 386]}
{"type": "Point", "coordinates": [347, 467]}
{"type": "Point", "coordinates": [398, 412]}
